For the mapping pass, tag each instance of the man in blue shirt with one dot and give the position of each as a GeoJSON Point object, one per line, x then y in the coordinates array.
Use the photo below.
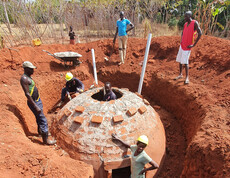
{"type": "Point", "coordinates": [121, 30]}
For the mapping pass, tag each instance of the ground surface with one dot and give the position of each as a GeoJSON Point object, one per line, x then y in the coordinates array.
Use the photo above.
{"type": "Point", "coordinates": [195, 116]}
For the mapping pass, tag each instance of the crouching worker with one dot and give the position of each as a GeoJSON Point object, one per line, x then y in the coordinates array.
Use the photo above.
{"type": "Point", "coordinates": [139, 157]}
{"type": "Point", "coordinates": [108, 92]}
{"type": "Point", "coordinates": [34, 101]}
{"type": "Point", "coordinates": [73, 85]}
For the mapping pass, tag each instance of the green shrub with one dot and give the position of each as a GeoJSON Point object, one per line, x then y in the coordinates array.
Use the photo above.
{"type": "Point", "coordinates": [181, 23]}
{"type": "Point", "coordinates": [172, 22]}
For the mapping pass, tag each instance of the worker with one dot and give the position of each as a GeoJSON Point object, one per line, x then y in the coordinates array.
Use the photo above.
{"type": "Point", "coordinates": [73, 85]}
{"type": "Point", "coordinates": [139, 157]}
{"type": "Point", "coordinates": [121, 30]}
{"type": "Point", "coordinates": [187, 43]}
{"type": "Point", "coordinates": [72, 35]}
{"type": "Point", "coordinates": [108, 92]}
{"type": "Point", "coordinates": [34, 101]}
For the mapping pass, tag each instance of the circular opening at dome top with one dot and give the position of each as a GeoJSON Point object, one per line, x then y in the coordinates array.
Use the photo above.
{"type": "Point", "coordinates": [99, 95]}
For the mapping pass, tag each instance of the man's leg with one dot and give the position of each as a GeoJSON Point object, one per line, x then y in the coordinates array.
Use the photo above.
{"type": "Point", "coordinates": [43, 125]}
{"type": "Point", "coordinates": [125, 39]}
{"type": "Point", "coordinates": [187, 73]}
{"type": "Point", "coordinates": [63, 93]}
{"type": "Point", "coordinates": [120, 49]}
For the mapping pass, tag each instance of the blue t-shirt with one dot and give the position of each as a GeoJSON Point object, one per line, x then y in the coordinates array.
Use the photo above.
{"type": "Point", "coordinates": [122, 24]}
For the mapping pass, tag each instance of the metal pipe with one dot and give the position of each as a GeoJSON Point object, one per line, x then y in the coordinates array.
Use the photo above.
{"type": "Point", "coordinates": [144, 63]}
{"type": "Point", "coordinates": [94, 67]}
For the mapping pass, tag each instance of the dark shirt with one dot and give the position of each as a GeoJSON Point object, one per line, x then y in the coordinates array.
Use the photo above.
{"type": "Point", "coordinates": [71, 35]}
{"type": "Point", "coordinates": [109, 96]}
{"type": "Point", "coordinates": [73, 84]}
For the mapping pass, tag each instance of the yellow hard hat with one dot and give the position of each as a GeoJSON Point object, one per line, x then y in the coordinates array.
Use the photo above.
{"type": "Point", "coordinates": [144, 139]}
{"type": "Point", "coordinates": [68, 76]}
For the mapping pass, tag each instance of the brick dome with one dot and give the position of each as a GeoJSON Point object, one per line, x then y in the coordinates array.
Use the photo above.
{"type": "Point", "coordinates": [83, 128]}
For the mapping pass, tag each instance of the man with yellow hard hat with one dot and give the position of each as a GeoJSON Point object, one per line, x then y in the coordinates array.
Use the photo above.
{"type": "Point", "coordinates": [34, 102]}
{"type": "Point", "coordinates": [73, 85]}
{"type": "Point", "coordinates": [138, 156]}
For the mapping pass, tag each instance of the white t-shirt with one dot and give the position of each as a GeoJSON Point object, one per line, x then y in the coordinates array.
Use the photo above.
{"type": "Point", "coordinates": [138, 162]}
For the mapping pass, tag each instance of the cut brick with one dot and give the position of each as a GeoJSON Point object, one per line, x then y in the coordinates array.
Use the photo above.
{"type": "Point", "coordinates": [97, 119]}
{"type": "Point", "coordinates": [156, 107]}
{"type": "Point", "coordinates": [146, 102]}
{"type": "Point", "coordinates": [79, 119]}
{"type": "Point", "coordinates": [118, 118]}
{"type": "Point", "coordinates": [138, 95]}
{"type": "Point", "coordinates": [131, 111]}
{"type": "Point", "coordinates": [142, 109]}
{"type": "Point", "coordinates": [75, 95]}
{"type": "Point", "coordinates": [79, 109]}
{"type": "Point", "coordinates": [67, 112]}
{"type": "Point", "coordinates": [111, 101]}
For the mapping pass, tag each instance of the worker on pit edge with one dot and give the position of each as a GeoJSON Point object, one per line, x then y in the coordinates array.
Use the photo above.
{"type": "Point", "coordinates": [73, 85]}
{"type": "Point", "coordinates": [34, 101]}
{"type": "Point", "coordinates": [108, 92]}
{"type": "Point", "coordinates": [138, 156]}
{"type": "Point", "coordinates": [122, 30]}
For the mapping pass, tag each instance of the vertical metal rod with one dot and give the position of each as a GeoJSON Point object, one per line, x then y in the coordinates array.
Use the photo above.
{"type": "Point", "coordinates": [144, 63]}
{"type": "Point", "coordinates": [94, 67]}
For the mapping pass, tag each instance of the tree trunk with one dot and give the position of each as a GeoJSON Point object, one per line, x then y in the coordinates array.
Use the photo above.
{"type": "Point", "coordinates": [7, 18]}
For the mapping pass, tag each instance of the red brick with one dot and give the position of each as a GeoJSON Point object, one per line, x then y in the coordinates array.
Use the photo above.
{"type": "Point", "coordinates": [79, 109]}
{"type": "Point", "coordinates": [146, 102]}
{"type": "Point", "coordinates": [111, 101]}
{"type": "Point", "coordinates": [97, 119]}
{"type": "Point", "coordinates": [156, 107]}
{"type": "Point", "coordinates": [123, 131]}
{"type": "Point", "coordinates": [79, 119]}
{"type": "Point", "coordinates": [131, 111]}
{"type": "Point", "coordinates": [92, 112]}
{"type": "Point", "coordinates": [74, 95]}
{"type": "Point", "coordinates": [67, 112]}
{"type": "Point", "coordinates": [142, 109]}
{"type": "Point", "coordinates": [118, 118]}
{"type": "Point", "coordinates": [138, 95]}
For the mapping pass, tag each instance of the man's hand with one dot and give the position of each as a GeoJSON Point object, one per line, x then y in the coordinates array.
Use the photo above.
{"type": "Point", "coordinates": [190, 46]}
{"type": "Point", "coordinates": [142, 172]}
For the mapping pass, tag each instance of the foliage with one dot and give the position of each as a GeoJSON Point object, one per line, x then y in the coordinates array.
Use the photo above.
{"type": "Point", "coordinates": [172, 22]}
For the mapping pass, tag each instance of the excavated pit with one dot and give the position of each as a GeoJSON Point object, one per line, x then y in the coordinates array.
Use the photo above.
{"type": "Point", "coordinates": [84, 126]}
{"type": "Point", "coordinates": [195, 117]}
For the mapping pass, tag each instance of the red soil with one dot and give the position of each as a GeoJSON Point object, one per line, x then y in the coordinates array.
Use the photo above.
{"type": "Point", "coordinates": [195, 116]}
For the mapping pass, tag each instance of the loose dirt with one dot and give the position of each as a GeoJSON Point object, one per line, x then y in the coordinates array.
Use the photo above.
{"type": "Point", "coordinates": [195, 116]}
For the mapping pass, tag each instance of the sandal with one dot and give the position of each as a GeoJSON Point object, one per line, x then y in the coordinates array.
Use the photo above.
{"type": "Point", "coordinates": [178, 77]}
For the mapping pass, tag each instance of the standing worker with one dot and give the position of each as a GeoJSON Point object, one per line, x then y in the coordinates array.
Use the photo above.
{"type": "Point", "coordinates": [187, 43]}
{"type": "Point", "coordinates": [122, 36]}
{"type": "Point", "coordinates": [34, 101]}
{"type": "Point", "coordinates": [72, 35]}
{"type": "Point", "coordinates": [139, 157]}
{"type": "Point", "coordinates": [73, 85]}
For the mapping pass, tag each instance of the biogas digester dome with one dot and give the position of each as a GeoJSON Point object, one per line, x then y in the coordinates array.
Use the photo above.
{"type": "Point", "coordinates": [84, 126]}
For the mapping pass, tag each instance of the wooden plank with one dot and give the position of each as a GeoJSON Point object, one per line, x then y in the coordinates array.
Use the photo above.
{"type": "Point", "coordinates": [117, 164]}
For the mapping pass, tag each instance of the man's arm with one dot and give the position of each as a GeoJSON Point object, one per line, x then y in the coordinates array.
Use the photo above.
{"type": "Point", "coordinates": [196, 28]}
{"type": "Point", "coordinates": [114, 137]}
{"type": "Point", "coordinates": [131, 27]}
{"type": "Point", "coordinates": [115, 35]}
{"type": "Point", "coordinates": [154, 166]}
{"type": "Point", "coordinates": [25, 86]}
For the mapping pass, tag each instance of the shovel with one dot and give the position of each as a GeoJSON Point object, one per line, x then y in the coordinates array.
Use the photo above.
{"type": "Point", "coordinates": [111, 52]}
